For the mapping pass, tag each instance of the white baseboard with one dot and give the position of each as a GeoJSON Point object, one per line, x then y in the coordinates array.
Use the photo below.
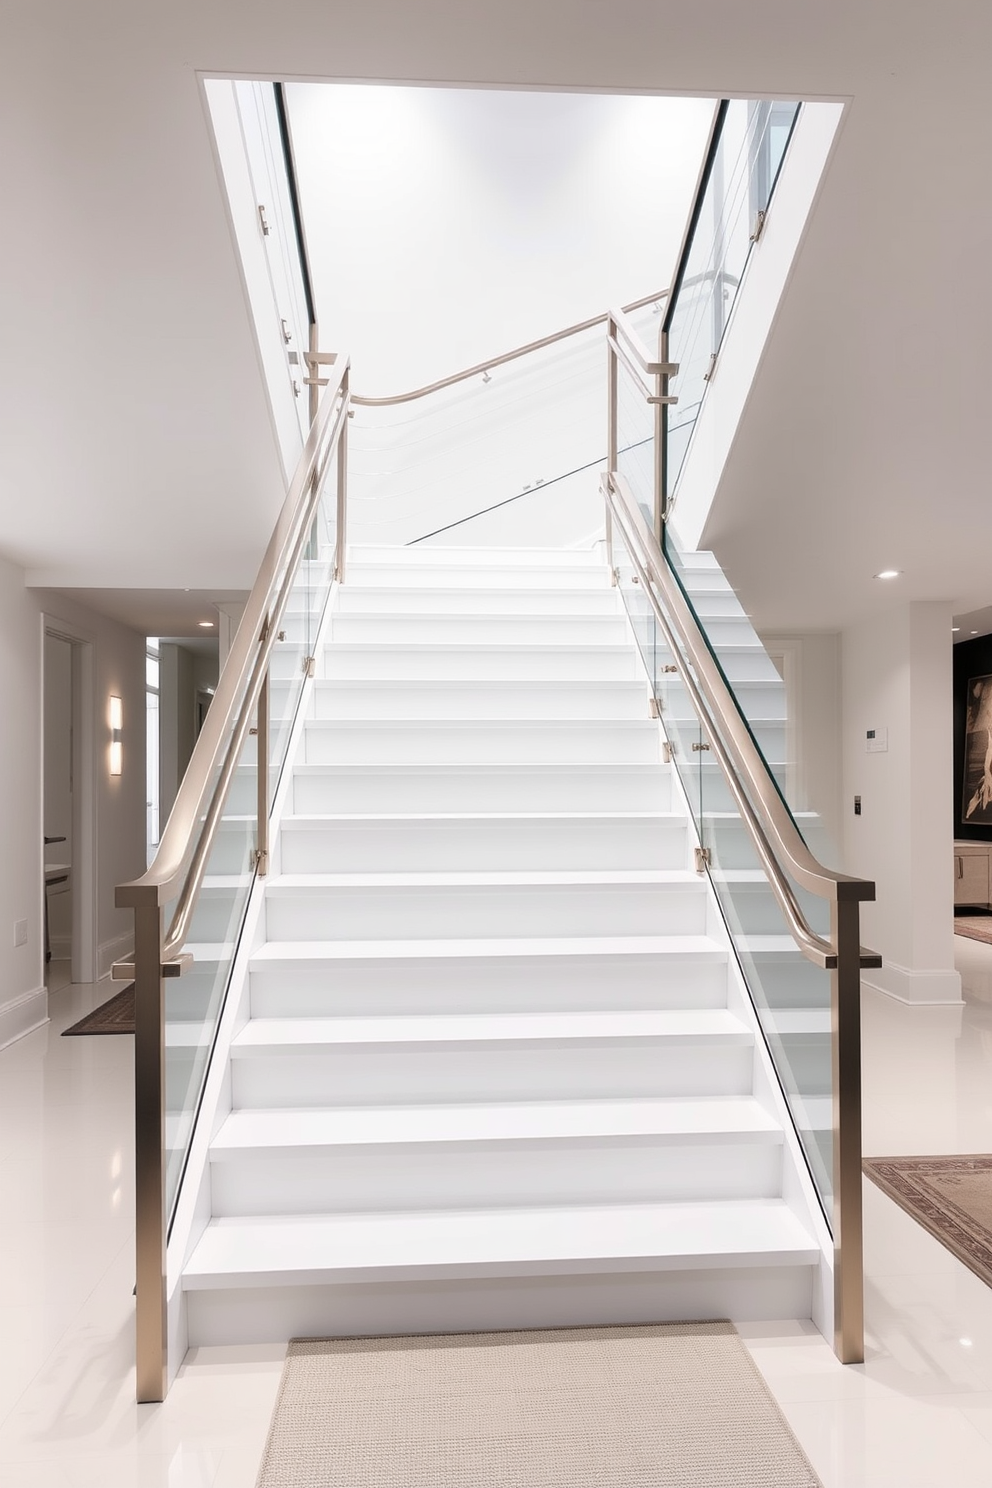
{"type": "Point", "coordinates": [110, 951]}
{"type": "Point", "coordinates": [918, 988]}
{"type": "Point", "coordinates": [23, 1015]}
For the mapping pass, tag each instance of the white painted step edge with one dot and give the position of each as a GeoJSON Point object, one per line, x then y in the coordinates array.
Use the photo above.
{"type": "Point", "coordinates": [305, 1250]}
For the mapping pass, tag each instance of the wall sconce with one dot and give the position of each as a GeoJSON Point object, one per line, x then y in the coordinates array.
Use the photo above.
{"type": "Point", "coordinates": [116, 720]}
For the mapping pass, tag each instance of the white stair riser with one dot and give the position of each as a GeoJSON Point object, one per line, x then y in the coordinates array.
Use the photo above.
{"type": "Point", "coordinates": [708, 782]}
{"type": "Point", "coordinates": [473, 700]}
{"type": "Point", "coordinates": [467, 1176]}
{"type": "Point", "coordinates": [477, 601]}
{"type": "Point", "coordinates": [805, 1061]}
{"type": "Point", "coordinates": [628, 742]}
{"type": "Point", "coordinates": [475, 663]}
{"type": "Point", "coordinates": [463, 564]}
{"type": "Point", "coordinates": [271, 1314]}
{"type": "Point", "coordinates": [788, 980]}
{"type": "Point", "coordinates": [432, 913]}
{"type": "Point", "coordinates": [764, 700]}
{"type": "Point", "coordinates": [218, 913]}
{"type": "Point", "coordinates": [479, 984]}
{"type": "Point", "coordinates": [396, 790]}
{"type": "Point", "coordinates": [771, 737]}
{"type": "Point", "coordinates": [480, 844]}
{"type": "Point", "coordinates": [717, 604]}
{"type": "Point", "coordinates": [579, 630]}
{"type": "Point", "coordinates": [752, 909]}
{"type": "Point", "coordinates": [365, 1075]}
{"type": "Point", "coordinates": [412, 577]}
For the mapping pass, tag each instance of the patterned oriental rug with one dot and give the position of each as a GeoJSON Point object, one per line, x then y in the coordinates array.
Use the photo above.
{"type": "Point", "coordinates": [115, 1016]}
{"type": "Point", "coordinates": [975, 929]}
{"type": "Point", "coordinates": [674, 1405]}
{"type": "Point", "coordinates": [949, 1196]}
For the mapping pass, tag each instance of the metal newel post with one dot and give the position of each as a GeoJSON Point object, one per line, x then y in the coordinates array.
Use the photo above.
{"type": "Point", "coordinates": [341, 536]}
{"type": "Point", "coordinates": [845, 1009]}
{"type": "Point", "coordinates": [151, 1342]}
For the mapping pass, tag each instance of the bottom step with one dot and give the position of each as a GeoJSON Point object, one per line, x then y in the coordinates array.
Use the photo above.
{"type": "Point", "coordinates": [266, 1279]}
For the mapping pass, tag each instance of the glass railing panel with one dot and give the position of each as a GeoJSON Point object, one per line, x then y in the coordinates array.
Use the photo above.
{"type": "Point", "coordinates": [680, 722]}
{"type": "Point", "coordinates": [636, 442]}
{"type": "Point", "coordinates": [745, 168]}
{"type": "Point", "coordinates": [195, 1001]}
{"type": "Point", "coordinates": [790, 995]}
{"type": "Point", "coordinates": [420, 467]}
{"type": "Point", "coordinates": [291, 658]}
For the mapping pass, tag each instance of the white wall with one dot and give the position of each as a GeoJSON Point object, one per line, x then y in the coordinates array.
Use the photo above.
{"type": "Point", "coordinates": [896, 675]}
{"type": "Point", "coordinates": [118, 655]}
{"type": "Point", "coordinates": [446, 226]}
{"type": "Point", "coordinates": [810, 663]}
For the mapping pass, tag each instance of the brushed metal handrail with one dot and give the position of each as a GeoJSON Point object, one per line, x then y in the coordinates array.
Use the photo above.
{"type": "Point", "coordinates": [773, 831]}
{"type": "Point", "coordinates": [363, 401]}
{"type": "Point", "coordinates": [245, 666]}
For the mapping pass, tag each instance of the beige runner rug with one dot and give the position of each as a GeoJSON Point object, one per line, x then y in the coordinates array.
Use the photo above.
{"type": "Point", "coordinates": [675, 1405]}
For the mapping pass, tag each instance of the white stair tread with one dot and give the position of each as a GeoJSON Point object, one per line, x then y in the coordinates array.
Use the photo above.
{"type": "Point", "coordinates": [318, 952]}
{"type": "Point", "coordinates": [486, 767]}
{"type": "Point", "coordinates": [489, 725]}
{"type": "Point", "coordinates": [306, 1035]}
{"type": "Point", "coordinates": [466, 648]}
{"type": "Point", "coordinates": [296, 883]}
{"type": "Point", "coordinates": [209, 950]}
{"type": "Point", "coordinates": [314, 820]}
{"type": "Point", "coordinates": [540, 685]}
{"type": "Point", "coordinates": [769, 944]}
{"type": "Point", "coordinates": [302, 1249]}
{"type": "Point", "coordinates": [472, 591]}
{"type": "Point", "coordinates": [727, 1118]}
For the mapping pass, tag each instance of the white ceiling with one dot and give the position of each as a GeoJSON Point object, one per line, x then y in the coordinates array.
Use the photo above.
{"type": "Point", "coordinates": [135, 442]}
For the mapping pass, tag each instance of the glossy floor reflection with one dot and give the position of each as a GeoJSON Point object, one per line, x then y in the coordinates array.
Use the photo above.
{"type": "Point", "coordinates": [918, 1414]}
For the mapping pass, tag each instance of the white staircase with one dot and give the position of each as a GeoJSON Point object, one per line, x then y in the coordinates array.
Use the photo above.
{"type": "Point", "coordinates": [492, 1064]}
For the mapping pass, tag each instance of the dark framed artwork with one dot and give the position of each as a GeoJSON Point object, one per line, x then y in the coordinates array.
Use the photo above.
{"type": "Point", "coordinates": [976, 784]}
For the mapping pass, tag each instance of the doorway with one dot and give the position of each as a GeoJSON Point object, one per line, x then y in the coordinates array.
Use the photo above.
{"type": "Point", "coordinates": [67, 807]}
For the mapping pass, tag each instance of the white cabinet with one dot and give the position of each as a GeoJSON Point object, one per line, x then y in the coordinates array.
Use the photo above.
{"type": "Point", "coordinates": [971, 873]}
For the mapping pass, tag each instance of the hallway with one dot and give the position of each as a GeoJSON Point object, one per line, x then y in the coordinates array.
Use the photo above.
{"type": "Point", "coordinates": [917, 1415]}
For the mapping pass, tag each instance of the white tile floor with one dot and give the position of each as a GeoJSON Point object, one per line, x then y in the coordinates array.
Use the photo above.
{"type": "Point", "coordinates": [918, 1414]}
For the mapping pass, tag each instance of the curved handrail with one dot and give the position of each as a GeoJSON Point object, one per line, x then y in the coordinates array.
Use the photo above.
{"type": "Point", "coordinates": [776, 837]}
{"type": "Point", "coordinates": [182, 854]}
{"type": "Point", "coordinates": [507, 356]}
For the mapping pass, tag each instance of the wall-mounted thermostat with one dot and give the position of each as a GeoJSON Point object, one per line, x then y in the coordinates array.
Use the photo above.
{"type": "Point", "coordinates": [876, 741]}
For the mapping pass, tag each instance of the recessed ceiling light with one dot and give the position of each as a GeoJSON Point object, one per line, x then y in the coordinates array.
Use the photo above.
{"type": "Point", "coordinates": [955, 628]}
{"type": "Point", "coordinates": [965, 1342]}
{"type": "Point", "coordinates": [205, 624]}
{"type": "Point", "coordinates": [889, 573]}
{"type": "Point", "coordinates": [974, 632]}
